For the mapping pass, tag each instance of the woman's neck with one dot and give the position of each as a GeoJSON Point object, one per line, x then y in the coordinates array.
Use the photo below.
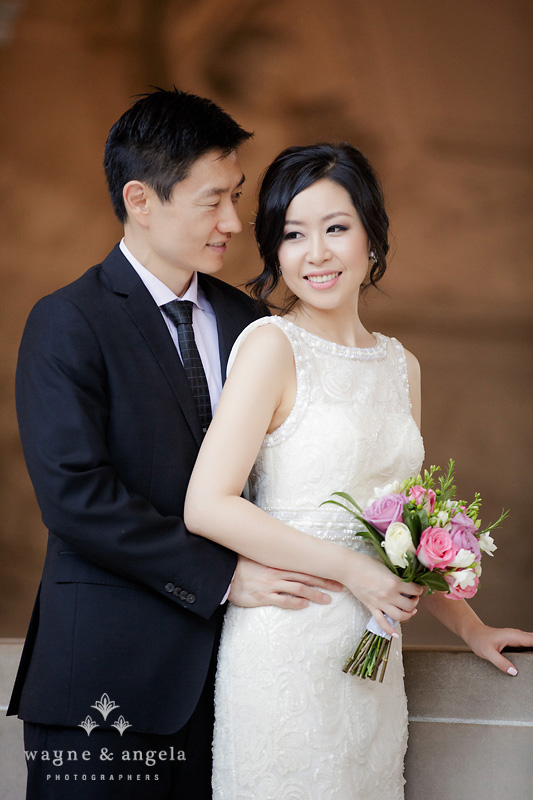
{"type": "Point", "coordinates": [342, 326]}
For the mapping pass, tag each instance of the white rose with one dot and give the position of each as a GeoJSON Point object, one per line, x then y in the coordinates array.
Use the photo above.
{"type": "Point", "coordinates": [463, 559]}
{"type": "Point", "coordinates": [398, 542]}
{"type": "Point", "coordinates": [464, 578]}
{"type": "Point", "coordinates": [486, 543]}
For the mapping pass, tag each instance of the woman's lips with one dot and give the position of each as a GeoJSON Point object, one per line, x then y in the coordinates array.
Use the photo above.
{"type": "Point", "coordinates": [324, 281]}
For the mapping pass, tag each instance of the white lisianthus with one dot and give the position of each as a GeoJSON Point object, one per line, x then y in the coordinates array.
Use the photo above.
{"type": "Point", "coordinates": [464, 558]}
{"type": "Point", "coordinates": [477, 568]}
{"type": "Point", "coordinates": [398, 542]}
{"type": "Point", "coordinates": [464, 578]}
{"type": "Point", "coordinates": [486, 543]}
{"type": "Point", "coordinates": [390, 488]}
{"type": "Point", "coordinates": [443, 520]}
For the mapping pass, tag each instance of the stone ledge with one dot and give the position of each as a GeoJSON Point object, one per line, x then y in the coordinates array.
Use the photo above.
{"type": "Point", "coordinates": [470, 726]}
{"type": "Point", "coordinates": [12, 766]}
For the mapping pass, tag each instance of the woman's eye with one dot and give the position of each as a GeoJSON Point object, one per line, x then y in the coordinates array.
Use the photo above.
{"type": "Point", "coordinates": [337, 228]}
{"type": "Point", "coordinates": [291, 235]}
{"type": "Point", "coordinates": [236, 197]}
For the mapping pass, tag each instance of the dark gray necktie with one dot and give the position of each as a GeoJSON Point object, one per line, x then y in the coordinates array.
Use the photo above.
{"type": "Point", "coordinates": [180, 312]}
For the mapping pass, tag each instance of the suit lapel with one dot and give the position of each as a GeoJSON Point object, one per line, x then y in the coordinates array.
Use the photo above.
{"type": "Point", "coordinates": [144, 313]}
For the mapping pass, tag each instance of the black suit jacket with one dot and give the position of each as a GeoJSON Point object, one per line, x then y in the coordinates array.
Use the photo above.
{"type": "Point", "coordinates": [129, 603]}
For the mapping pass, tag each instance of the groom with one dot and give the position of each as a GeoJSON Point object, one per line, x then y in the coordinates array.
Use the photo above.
{"type": "Point", "coordinates": [114, 385]}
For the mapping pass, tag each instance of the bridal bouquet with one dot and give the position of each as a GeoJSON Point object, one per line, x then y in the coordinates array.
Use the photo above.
{"type": "Point", "coordinates": [424, 536]}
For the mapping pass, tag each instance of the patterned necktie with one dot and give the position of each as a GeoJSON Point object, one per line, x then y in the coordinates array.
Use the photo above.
{"type": "Point", "coordinates": [180, 312]}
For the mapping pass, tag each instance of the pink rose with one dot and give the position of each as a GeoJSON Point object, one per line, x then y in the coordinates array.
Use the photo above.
{"type": "Point", "coordinates": [436, 548]}
{"type": "Point", "coordinates": [385, 510]}
{"type": "Point", "coordinates": [463, 532]}
{"type": "Point", "coordinates": [458, 592]}
{"type": "Point", "coordinates": [423, 497]}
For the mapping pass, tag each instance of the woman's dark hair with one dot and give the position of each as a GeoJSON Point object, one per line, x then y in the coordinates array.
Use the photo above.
{"type": "Point", "coordinates": [294, 170]}
{"type": "Point", "coordinates": [160, 137]}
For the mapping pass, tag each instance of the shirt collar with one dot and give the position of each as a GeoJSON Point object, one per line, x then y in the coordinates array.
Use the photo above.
{"type": "Point", "coordinates": [159, 290]}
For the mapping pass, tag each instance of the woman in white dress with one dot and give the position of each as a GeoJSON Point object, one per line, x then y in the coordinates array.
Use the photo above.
{"type": "Point", "coordinates": [315, 403]}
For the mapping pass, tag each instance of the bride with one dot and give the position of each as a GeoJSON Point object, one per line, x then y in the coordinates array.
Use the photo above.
{"type": "Point", "coordinates": [315, 403]}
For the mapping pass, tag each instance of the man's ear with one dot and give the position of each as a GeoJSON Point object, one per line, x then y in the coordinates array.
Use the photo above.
{"type": "Point", "coordinates": [136, 196]}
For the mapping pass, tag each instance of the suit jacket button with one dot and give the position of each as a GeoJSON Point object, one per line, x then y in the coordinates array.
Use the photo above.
{"type": "Point", "coordinates": [169, 587]}
{"type": "Point", "coordinates": [190, 598]}
{"type": "Point", "coordinates": [177, 591]}
{"type": "Point", "coordinates": [183, 595]}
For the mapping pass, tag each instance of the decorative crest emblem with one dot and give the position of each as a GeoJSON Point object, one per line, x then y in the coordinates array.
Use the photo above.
{"type": "Point", "coordinates": [88, 725]}
{"type": "Point", "coordinates": [121, 724]}
{"type": "Point", "coordinates": [105, 705]}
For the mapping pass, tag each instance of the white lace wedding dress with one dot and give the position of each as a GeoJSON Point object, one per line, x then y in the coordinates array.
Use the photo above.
{"type": "Point", "coordinates": [290, 725]}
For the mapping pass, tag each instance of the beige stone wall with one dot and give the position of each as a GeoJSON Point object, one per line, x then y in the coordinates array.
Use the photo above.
{"type": "Point", "coordinates": [437, 94]}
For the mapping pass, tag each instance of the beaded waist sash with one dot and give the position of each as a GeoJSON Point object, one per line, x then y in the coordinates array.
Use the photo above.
{"type": "Point", "coordinates": [335, 526]}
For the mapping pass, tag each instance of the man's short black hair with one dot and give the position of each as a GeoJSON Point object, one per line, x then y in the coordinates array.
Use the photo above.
{"type": "Point", "coordinates": [159, 138]}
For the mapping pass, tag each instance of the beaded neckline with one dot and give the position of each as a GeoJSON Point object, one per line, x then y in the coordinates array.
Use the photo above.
{"type": "Point", "coordinates": [326, 346]}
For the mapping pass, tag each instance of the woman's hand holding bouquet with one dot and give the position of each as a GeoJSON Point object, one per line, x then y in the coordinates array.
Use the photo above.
{"type": "Point", "coordinates": [425, 537]}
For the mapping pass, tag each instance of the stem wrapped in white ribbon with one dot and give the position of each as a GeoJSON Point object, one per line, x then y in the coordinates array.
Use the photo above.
{"type": "Point", "coordinates": [374, 627]}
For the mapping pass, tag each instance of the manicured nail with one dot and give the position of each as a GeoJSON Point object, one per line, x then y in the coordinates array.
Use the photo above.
{"type": "Point", "coordinates": [512, 671]}
{"type": "Point", "coordinates": [395, 635]}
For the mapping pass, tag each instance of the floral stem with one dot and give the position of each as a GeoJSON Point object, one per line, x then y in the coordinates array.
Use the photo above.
{"type": "Point", "coordinates": [370, 657]}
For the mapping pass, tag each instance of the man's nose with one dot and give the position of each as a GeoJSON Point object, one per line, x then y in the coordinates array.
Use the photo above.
{"type": "Point", "coordinates": [229, 221]}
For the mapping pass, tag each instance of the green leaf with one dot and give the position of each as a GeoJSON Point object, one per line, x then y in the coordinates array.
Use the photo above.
{"type": "Point", "coordinates": [447, 488]}
{"type": "Point", "coordinates": [411, 518]}
{"type": "Point", "coordinates": [409, 572]}
{"type": "Point", "coordinates": [374, 536]}
{"type": "Point", "coordinates": [350, 499]}
{"type": "Point", "coordinates": [423, 517]}
{"type": "Point", "coordinates": [336, 503]}
{"type": "Point", "coordinates": [434, 580]}
{"type": "Point", "coordinates": [496, 524]}
{"type": "Point", "coordinates": [370, 533]}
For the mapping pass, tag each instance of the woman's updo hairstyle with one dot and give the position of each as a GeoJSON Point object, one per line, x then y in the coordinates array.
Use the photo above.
{"type": "Point", "coordinates": [294, 170]}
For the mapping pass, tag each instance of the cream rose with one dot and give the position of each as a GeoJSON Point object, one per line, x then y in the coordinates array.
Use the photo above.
{"type": "Point", "coordinates": [398, 542]}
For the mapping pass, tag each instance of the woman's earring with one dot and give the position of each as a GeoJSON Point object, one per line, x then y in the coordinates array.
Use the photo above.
{"type": "Point", "coordinates": [279, 271]}
{"type": "Point", "coordinates": [372, 258]}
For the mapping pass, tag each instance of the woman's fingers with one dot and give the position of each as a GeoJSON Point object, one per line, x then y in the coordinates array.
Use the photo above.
{"type": "Point", "coordinates": [488, 643]}
{"type": "Point", "coordinates": [412, 590]}
{"type": "Point", "coordinates": [399, 614]}
{"type": "Point", "coordinates": [384, 624]}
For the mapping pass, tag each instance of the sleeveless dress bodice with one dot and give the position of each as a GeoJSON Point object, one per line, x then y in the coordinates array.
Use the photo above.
{"type": "Point", "coordinates": [289, 723]}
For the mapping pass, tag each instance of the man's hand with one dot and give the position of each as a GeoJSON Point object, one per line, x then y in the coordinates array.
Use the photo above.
{"type": "Point", "coordinates": [256, 585]}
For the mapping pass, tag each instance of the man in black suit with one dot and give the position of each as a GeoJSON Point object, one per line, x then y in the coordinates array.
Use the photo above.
{"type": "Point", "coordinates": [115, 682]}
